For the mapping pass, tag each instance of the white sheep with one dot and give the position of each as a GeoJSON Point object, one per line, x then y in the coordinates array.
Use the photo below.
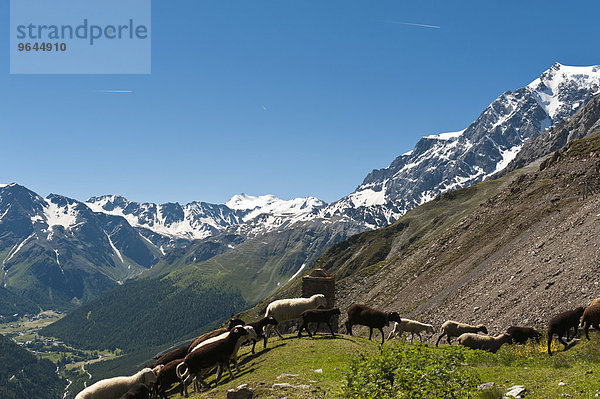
{"type": "Point", "coordinates": [453, 328]}
{"type": "Point", "coordinates": [484, 342]}
{"type": "Point", "coordinates": [411, 326]}
{"type": "Point", "coordinates": [290, 309]}
{"type": "Point", "coordinates": [114, 388]}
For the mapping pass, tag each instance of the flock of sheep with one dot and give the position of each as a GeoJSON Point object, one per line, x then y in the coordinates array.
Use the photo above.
{"type": "Point", "coordinates": [217, 349]}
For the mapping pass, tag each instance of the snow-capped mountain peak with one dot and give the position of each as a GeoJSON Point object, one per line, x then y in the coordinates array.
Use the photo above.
{"type": "Point", "coordinates": [59, 213]}
{"type": "Point", "coordinates": [557, 88]}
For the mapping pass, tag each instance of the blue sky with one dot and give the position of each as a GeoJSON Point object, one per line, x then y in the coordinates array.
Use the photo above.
{"type": "Point", "coordinates": [291, 98]}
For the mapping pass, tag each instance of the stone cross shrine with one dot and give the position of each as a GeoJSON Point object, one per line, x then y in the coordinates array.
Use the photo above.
{"type": "Point", "coordinates": [321, 282]}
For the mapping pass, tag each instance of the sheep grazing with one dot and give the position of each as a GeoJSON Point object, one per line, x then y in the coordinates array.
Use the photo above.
{"type": "Point", "coordinates": [138, 391]}
{"type": "Point", "coordinates": [167, 377]}
{"type": "Point", "coordinates": [211, 334]}
{"type": "Point", "coordinates": [258, 327]}
{"type": "Point", "coordinates": [520, 335]}
{"type": "Point", "coordinates": [591, 317]}
{"type": "Point", "coordinates": [365, 316]}
{"type": "Point", "coordinates": [484, 342]}
{"type": "Point", "coordinates": [562, 323]}
{"type": "Point", "coordinates": [178, 353]}
{"type": "Point", "coordinates": [113, 388]}
{"type": "Point", "coordinates": [411, 326]}
{"type": "Point", "coordinates": [290, 309]}
{"type": "Point", "coordinates": [317, 316]}
{"type": "Point", "coordinates": [203, 359]}
{"type": "Point", "coordinates": [452, 328]}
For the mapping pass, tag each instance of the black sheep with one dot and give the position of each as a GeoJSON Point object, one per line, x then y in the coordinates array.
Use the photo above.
{"type": "Point", "coordinates": [520, 335]}
{"type": "Point", "coordinates": [317, 316]}
{"type": "Point", "coordinates": [562, 323]}
{"type": "Point", "coordinates": [365, 316]}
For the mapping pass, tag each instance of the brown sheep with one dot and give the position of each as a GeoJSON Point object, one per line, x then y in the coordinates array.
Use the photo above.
{"type": "Point", "coordinates": [138, 391]}
{"type": "Point", "coordinates": [521, 334]}
{"type": "Point", "coordinates": [591, 317]}
{"type": "Point", "coordinates": [562, 323]}
{"type": "Point", "coordinates": [365, 316]}
{"type": "Point", "coordinates": [258, 327]}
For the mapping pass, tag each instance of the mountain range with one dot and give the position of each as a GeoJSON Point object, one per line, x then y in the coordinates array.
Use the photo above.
{"type": "Point", "coordinates": [60, 252]}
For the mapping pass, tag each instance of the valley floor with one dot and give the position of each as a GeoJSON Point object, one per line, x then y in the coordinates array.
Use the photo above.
{"type": "Point", "coordinates": [70, 362]}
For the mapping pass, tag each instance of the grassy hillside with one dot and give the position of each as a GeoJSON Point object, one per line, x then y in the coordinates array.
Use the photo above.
{"type": "Point", "coordinates": [353, 367]}
{"type": "Point", "coordinates": [314, 367]}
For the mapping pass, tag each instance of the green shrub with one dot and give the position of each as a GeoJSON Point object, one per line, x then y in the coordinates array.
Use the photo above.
{"type": "Point", "coordinates": [411, 371]}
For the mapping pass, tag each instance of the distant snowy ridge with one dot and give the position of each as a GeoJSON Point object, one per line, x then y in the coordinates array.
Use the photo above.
{"type": "Point", "coordinates": [191, 221]}
{"type": "Point", "coordinates": [198, 220]}
{"type": "Point", "coordinates": [273, 205]}
{"type": "Point", "coordinates": [446, 136]}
